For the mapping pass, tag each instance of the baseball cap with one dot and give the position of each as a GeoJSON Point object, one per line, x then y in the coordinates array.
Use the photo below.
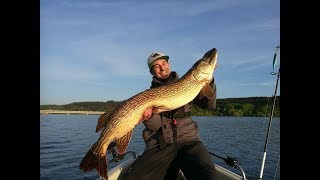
{"type": "Point", "coordinates": [155, 56]}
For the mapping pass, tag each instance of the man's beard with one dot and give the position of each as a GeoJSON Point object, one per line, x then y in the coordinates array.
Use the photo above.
{"type": "Point", "coordinates": [166, 75]}
{"type": "Point", "coordinates": [166, 78]}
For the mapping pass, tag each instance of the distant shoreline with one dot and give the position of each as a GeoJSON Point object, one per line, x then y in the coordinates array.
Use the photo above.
{"type": "Point", "coordinates": [71, 112]}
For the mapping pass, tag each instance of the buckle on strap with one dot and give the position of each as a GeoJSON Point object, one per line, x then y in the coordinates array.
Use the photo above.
{"type": "Point", "coordinates": [174, 122]}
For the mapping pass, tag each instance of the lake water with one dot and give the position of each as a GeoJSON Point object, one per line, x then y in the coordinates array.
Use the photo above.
{"type": "Point", "coordinates": [65, 139]}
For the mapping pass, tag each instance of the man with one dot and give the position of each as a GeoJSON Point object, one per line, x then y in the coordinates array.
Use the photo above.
{"type": "Point", "coordinates": [172, 138]}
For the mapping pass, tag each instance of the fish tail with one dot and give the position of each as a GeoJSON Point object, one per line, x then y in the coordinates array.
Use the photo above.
{"type": "Point", "coordinates": [90, 161]}
{"type": "Point", "coordinates": [102, 167]}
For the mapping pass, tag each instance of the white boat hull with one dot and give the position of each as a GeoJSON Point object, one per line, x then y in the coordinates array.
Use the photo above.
{"type": "Point", "coordinates": [222, 173]}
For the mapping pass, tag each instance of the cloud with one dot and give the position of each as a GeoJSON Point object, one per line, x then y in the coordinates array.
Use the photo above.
{"type": "Point", "coordinates": [260, 25]}
{"type": "Point", "coordinates": [63, 69]}
{"type": "Point", "coordinates": [264, 84]}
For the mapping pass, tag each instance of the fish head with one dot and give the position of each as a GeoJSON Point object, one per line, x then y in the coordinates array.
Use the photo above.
{"type": "Point", "coordinates": [203, 69]}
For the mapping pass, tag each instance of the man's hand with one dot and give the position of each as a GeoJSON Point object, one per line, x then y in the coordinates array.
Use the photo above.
{"type": "Point", "coordinates": [147, 114]}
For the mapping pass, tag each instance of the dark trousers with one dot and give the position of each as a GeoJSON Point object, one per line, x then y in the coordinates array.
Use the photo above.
{"type": "Point", "coordinates": [192, 158]}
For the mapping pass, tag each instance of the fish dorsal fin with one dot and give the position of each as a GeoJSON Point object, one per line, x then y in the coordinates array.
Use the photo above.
{"type": "Point", "coordinates": [123, 142]}
{"type": "Point", "coordinates": [206, 91]}
{"type": "Point", "coordinates": [104, 118]}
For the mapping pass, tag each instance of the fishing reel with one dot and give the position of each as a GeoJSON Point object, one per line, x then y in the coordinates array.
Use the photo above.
{"type": "Point", "coordinates": [117, 157]}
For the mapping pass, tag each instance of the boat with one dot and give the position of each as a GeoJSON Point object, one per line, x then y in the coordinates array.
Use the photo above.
{"type": "Point", "coordinates": [124, 165]}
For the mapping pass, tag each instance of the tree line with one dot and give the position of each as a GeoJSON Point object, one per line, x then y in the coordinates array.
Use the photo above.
{"type": "Point", "coordinates": [246, 106]}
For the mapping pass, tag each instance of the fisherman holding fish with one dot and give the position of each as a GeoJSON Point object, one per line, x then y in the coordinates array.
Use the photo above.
{"type": "Point", "coordinates": [172, 137]}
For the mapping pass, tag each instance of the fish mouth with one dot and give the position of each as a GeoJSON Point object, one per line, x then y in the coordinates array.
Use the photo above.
{"type": "Point", "coordinates": [211, 56]}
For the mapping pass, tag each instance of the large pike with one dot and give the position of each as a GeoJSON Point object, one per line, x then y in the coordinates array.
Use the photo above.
{"type": "Point", "coordinates": [117, 124]}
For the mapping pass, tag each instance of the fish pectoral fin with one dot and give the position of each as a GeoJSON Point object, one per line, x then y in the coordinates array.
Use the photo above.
{"type": "Point", "coordinates": [123, 143]}
{"type": "Point", "coordinates": [104, 118]}
{"type": "Point", "coordinates": [206, 91]}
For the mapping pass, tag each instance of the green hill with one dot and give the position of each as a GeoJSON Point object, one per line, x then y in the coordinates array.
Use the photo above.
{"type": "Point", "coordinates": [246, 106]}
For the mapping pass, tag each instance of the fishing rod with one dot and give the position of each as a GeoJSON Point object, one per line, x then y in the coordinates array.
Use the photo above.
{"type": "Point", "coordinates": [274, 102]}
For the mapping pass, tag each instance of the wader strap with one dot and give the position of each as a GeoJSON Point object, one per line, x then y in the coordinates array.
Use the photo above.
{"type": "Point", "coordinates": [174, 129]}
{"type": "Point", "coordinates": [162, 143]}
{"type": "Point", "coordinates": [174, 116]}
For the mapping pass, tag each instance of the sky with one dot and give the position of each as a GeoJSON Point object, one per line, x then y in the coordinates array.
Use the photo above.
{"type": "Point", "coordinates": [97, 50]}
